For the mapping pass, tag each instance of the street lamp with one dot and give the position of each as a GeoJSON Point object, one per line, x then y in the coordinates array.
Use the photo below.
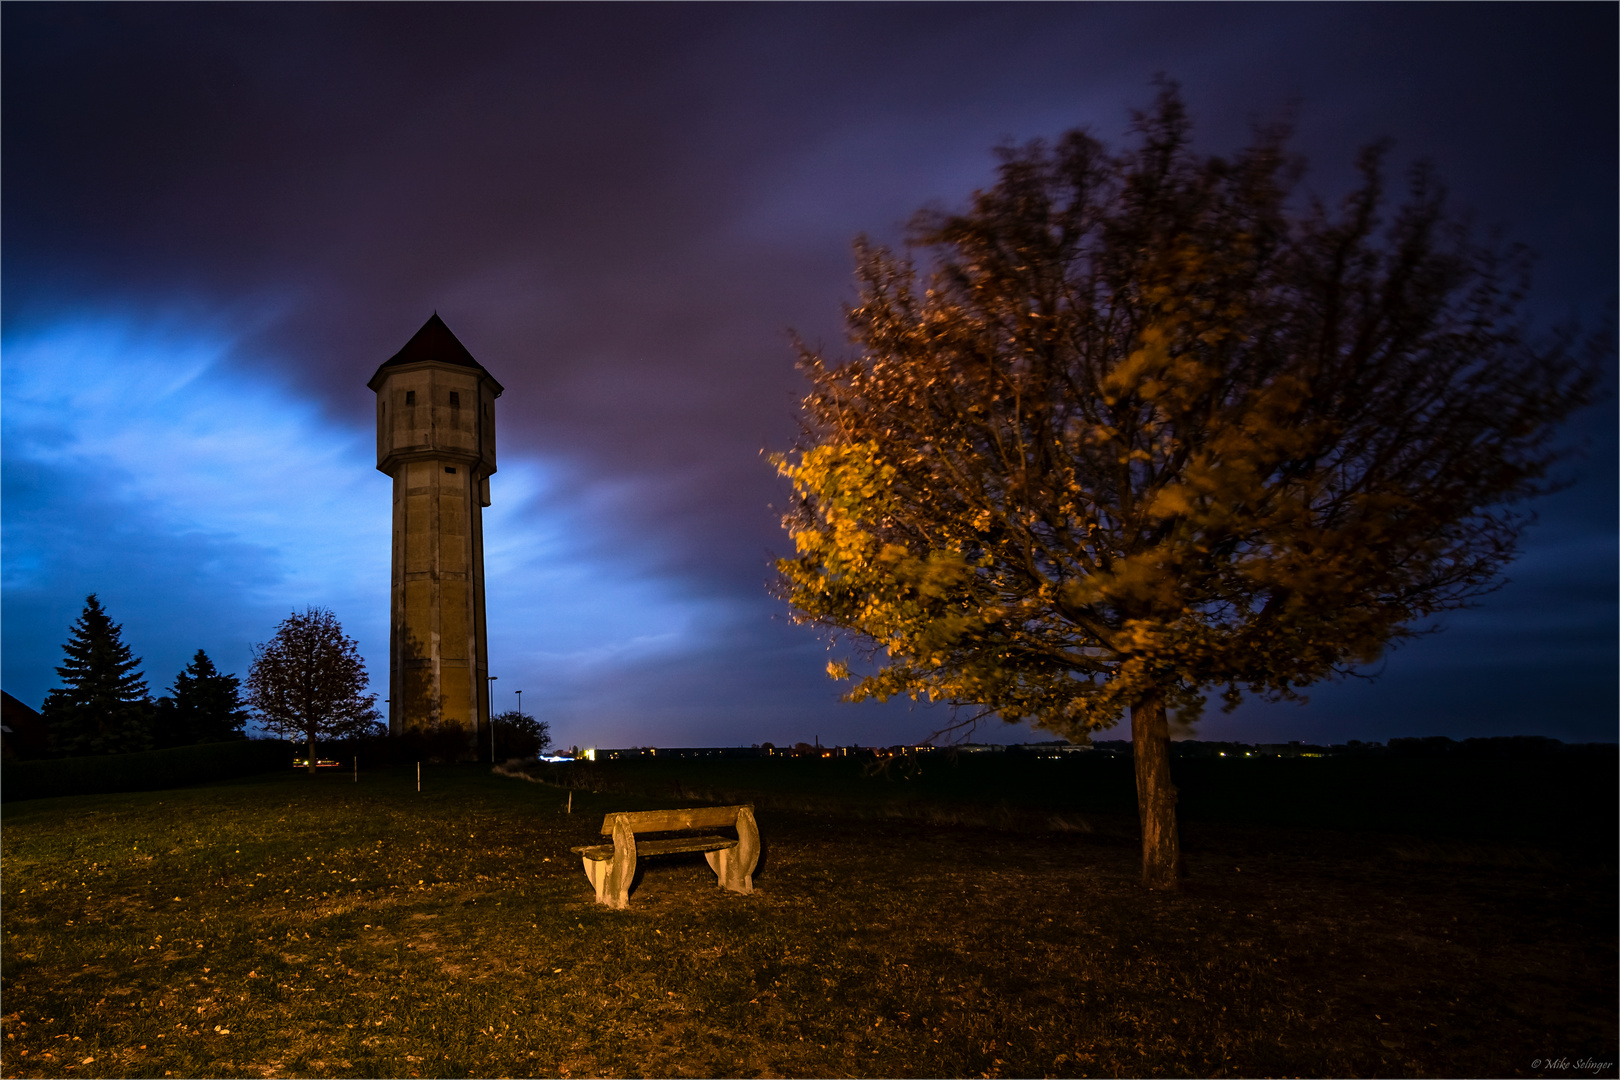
{"type": "Point", "coordinates": [489, 702]}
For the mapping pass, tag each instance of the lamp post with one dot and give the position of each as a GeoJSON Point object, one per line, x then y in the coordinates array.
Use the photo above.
{"type": "Point", "coordinates": [489, 699]}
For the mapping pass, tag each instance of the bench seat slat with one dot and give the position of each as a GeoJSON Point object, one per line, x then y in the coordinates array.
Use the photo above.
{"type": "Point", "coordinates": [692, 817]}
{"type": "Point", "coordinates": [684, 843]}
{"type": "Point", "coordinates": [676, 846]}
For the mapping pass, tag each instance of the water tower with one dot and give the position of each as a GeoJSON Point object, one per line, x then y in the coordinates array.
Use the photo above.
{"type": "Point", "coordinates": [436, 439]}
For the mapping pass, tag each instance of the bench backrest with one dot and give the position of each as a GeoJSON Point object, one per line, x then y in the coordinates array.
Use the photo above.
{"type": "Point", "coordinates": [696, 817]}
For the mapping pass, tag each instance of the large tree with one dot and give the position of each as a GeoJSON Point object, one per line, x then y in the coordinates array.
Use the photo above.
{"type": "Point", "coordinates": [1150, 426]}
{"type": "Point", "coordinates": [309, 682]}
{"type": "Point", "coordinates": [204, 705]}
{"type": "Point", "coordinates": [102, 706]}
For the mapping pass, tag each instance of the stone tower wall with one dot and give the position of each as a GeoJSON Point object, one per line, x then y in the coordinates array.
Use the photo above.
{"type": "Point", "coordinates": [436, 439]}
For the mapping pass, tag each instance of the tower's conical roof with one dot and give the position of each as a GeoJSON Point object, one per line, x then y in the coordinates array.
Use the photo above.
{"type": "Point", "coordinates": [435, 343]}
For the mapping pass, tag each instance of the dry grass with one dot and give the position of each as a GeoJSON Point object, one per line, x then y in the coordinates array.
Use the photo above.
{"type": "Point", "coordinates": [294, 927]}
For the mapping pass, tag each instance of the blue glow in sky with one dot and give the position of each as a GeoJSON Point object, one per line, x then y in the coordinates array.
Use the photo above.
{"type": "Point", "coordinates": [202, 504]}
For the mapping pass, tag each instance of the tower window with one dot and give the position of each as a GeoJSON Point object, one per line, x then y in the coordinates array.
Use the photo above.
{"type": "Point", "coordinates": [455, 400]}
{"type": "Point", "coordinates": [410, 397]}
{"type": "Point", "coordinates": [451, 469]}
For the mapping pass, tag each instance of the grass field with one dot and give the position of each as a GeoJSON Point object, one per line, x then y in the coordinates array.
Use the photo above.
{"type": "Point", "coordinates": [286, 925]}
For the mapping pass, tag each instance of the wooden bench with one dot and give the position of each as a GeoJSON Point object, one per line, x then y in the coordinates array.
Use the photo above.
{"type": "Point", "coordinates": [612, 866]}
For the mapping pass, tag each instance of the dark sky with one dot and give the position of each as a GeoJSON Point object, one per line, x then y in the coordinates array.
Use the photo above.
{"type": "Point", "coordinates": [219, 220]}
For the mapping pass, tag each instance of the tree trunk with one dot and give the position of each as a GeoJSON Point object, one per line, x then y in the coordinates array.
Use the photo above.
{"type": "Point", "coordinates": [1155, 795]}
{"type": "Point", "coordinates": [312, 753]}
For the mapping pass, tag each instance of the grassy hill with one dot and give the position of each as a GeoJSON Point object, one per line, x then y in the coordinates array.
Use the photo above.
{"type": "Point", "coordinates": [288, 925]}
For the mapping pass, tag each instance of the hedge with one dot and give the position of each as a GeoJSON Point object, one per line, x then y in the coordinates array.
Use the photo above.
{"type": "Point", "coordinates": [147, 771]}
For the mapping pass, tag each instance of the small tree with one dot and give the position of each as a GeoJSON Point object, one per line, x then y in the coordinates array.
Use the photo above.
{"type": "Point", "coordinates": [102, 708]}
{"type": "Point", "coordinates": [308, 682]}
{"type": "Point", "coordinates": [204, 705]}
{"type": "Point", "coordinates": [520, 736]}
{"type": "Point", "coordinates": [1147, 431]}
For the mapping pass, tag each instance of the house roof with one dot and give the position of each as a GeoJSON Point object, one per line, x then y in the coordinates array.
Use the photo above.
{"type": "Point", "coordinates": [434, 343]}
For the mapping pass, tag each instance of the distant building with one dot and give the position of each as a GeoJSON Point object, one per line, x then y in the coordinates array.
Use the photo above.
{"type": "Point", "coordinates": [670, 752]}
{"type": "Point", "coordinates": [23, 732]}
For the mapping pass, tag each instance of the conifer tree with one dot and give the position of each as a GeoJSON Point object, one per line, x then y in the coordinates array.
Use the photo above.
{"type": "Point", "coordinates": [204, 705]}
{"type": "Point", "coordinates": [102, 708]}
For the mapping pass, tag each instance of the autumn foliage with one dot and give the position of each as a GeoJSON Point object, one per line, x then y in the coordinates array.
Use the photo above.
{"type": "Point", "coordinates": [1150, 427]}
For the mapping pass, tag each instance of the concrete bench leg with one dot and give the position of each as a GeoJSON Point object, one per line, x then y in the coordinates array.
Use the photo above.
{"type": "Point", "coordinates": [735, 866]}
{"type": "Point", "coordinates": [611, 877]}
{"type": "Point", "coordinates": [598, 870]}
{"type": "Point", "coordinates": [615, 890]}
{"type": "Point", "coordinates": [720, 862]}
